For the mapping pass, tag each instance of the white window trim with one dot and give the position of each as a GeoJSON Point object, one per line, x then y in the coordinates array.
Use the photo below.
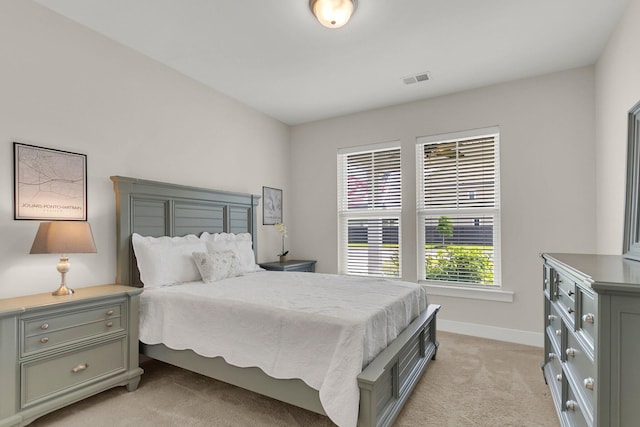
{"type": "Point", "coordinates": [453, 136]}
{"type": "Point", "coordinates": [473, 292]}
{"type": "Point", "coordinates": [389, 145]}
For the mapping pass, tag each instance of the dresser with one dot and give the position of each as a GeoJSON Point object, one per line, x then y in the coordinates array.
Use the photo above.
{"type": "Point", "coordinates": [56, 350]}
{"type": "Point", "coordinates": [292, 265]}
{"type": "Point", "coordinates": [592, 338]}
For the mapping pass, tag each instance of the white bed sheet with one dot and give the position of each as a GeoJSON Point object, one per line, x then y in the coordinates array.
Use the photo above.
{"type": "Point", "coordinates": [319, 328]}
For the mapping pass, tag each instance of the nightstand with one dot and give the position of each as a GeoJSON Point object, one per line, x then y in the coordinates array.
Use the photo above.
{"type": "Point", "coordinates": [293, 265]}
{"type": "Point", "coordinates": [57, 350]}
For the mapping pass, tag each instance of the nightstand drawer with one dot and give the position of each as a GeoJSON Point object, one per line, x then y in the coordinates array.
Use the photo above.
{"type": "Point", "coordinates": [55, 328]}
{"type": "Point", "coordinates": [52, 339]}
{"type": "Point", "coordinates": [309, 267]}
{"type": "Point", "coordinates": [45, 377]}
{"type": "Point", "coordinates": [292, 265]}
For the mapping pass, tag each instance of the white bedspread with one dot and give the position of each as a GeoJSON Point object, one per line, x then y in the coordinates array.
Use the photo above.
{"type": "Point", "coordinates": [319, 328]}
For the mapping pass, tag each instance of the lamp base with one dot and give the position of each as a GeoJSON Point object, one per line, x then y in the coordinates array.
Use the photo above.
{"type": "Point", "coordinates": [62, 290]}
{"type": "Point", "coordinates": [63, 268]}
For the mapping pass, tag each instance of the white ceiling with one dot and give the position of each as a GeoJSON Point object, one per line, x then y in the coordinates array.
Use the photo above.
{"type": "Point", "coordinates": [274, 56]}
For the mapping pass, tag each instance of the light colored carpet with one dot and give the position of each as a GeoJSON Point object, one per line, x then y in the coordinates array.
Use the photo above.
{"type": "Point", "coordinates": [474, 382]}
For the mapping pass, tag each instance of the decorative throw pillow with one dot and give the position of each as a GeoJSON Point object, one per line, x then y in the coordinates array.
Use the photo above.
{"type": "Point", "coordinates": [241, 244]}
{"type": "Point", "coordinates": [166, 260]}
{"type": "Point", "coordinates": [214, 266]}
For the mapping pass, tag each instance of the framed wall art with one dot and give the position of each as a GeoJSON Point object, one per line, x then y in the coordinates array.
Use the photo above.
{"type": "Point", "coordinates": [49, 184]}
{"type": "Point", "coordinates": [271, 206]}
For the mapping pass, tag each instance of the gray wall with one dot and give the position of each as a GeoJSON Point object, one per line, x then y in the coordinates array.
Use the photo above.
{"type": "Point", "coordinates": [66, 87]}
{"type": "Point", "coordinates": [547, 179]}
{"type": "Point", "coordinates": [617, 90]}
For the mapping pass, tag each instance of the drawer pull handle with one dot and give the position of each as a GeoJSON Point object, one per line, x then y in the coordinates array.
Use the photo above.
{"type": "Point", "coordinates": [558, 332]}
{"type": "Point", "coordinates": [559, 377]}
{"type": "Point", "coordinates": [589, 383]}
{"type": "Point", "coordinates": [44, 340]}
{"type": "Point", "coordinates": [552, 356]}
{"type": "Point", "coordinates": [44, 326]}
{"type": "Point", "coordinates": [588, 318]}
{"type": "Point", "coordinates": [571, 292]}
{"type": "Point", "coordinates": [551, 318]}
{"type": "Point", "coordinates": [110, 313]}
{"type": "Point", "coordinates": [571, 352]}
{"type": "Point", "coordinates": [546, 281]}
{"type": "Point", "coordinates": [570, 310]}
{"type": "Point", "coordinates": [81, 367]}
{"type": "Point", "coordinates": [109, 324]}
{"type": "Point", "coordinates": [571, 405]}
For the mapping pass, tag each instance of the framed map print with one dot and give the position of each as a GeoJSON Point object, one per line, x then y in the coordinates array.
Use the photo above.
{"type": "Point", "coordinates": [49, 184]}
{"type": "Point", "coordinates": [271, 206]}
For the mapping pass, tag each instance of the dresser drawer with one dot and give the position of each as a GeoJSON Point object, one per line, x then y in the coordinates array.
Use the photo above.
{"type": "Point", "coordinates": [566, 297]}
{"type": "Point", "coordinates": [548, 282]}
{"type": "Point", "coordinates": [56, 328]}
{"type": "Point", "coordinates": [582, 370]}
{"type": "Point", "coordinates": [45, 377]}
{"type": "Point", "coordinates": [554, 325]}
{"type": "Point", "coordinates": [554, 378]}
{"type": "Point", "coordinates": [586, 322]}
{"type": "Point", "coordinates": [573, 411]}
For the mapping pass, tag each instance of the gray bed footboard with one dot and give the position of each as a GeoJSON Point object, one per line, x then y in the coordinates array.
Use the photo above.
{"type": "Point", "coordinates": [389, 379]}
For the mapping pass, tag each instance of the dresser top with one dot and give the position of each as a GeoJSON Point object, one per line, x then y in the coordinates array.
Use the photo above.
{"type": "Point", "coordinates": [9, 306]}
{"type": "Point", "coordinates": [604, 273]}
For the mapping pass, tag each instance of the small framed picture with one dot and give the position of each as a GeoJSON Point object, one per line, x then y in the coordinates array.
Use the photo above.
{"type": "Point", "coordinates": [49, 184]}
{"type": "Point", "coordinates": [271, 206]}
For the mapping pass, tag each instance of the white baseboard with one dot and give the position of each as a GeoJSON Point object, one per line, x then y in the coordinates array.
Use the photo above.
{"type": "Point", "coordinates": [535, 339]}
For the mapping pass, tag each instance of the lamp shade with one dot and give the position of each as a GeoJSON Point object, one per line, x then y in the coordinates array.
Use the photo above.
{"type": "Point", "coordinates": [63, 237]}
{"type": "Point", "coordinates": [333, 13]}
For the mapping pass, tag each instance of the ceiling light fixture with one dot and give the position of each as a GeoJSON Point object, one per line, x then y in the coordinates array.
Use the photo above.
{"type": "Point", "coordinates": [333, 13]}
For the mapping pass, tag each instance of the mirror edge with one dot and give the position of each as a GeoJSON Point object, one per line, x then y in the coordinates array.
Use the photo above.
{"type": "Point", "coordinates": [631, 240]}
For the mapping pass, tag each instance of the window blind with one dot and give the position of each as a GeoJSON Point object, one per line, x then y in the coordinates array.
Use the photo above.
{"type": "Point", "coordinates": [459, 174]}
{"type": "Point", "coordinates": [369, 207]}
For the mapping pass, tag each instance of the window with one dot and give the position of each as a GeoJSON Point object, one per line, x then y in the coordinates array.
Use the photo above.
{"type": "Point", "coordinates": [369, 208]}
{"type": "Point", "coordinates": [458, 208]}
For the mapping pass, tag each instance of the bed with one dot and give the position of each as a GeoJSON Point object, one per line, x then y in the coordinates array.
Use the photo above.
{"type": "Point", "coordinates": [151, 208]}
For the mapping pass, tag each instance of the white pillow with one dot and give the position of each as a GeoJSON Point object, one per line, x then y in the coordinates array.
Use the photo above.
{"type": "Point", "coordinates": [226, 236]}
{"type": "Point", "coordinates": [217, 265]}
{"type": "Point", "coordinates": [167, 260]}
{"type": "Point", "coordinates": [241, 244]}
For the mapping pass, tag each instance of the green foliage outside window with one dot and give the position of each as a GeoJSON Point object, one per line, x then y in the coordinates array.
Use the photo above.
{"type": "Point", "coordinates": [460, 264]}
{"type": "Point", "coordinates": [445, 227]}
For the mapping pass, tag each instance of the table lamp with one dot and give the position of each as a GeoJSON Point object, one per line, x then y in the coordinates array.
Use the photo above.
{"type": "Point", "coordinates": [63, 237]}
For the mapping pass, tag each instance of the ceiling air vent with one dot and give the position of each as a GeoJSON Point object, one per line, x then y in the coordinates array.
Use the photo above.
{"type": "Point", "coordinates": [422, 77]}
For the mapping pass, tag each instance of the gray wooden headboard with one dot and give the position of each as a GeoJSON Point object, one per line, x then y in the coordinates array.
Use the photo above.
{"type": "Point", "coordinates": [159, 209]}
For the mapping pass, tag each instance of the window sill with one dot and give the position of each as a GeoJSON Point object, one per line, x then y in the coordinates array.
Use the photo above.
{"type": "Point", "coordinates": [468, 292]}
